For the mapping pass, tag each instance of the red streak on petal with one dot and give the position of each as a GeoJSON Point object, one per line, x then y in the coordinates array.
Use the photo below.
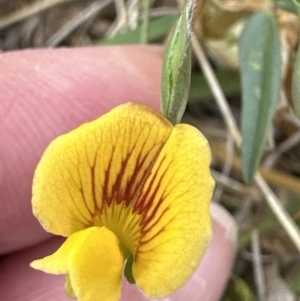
{"type": "Point", "coordinates": [130, 192]}
{"type": "Point", "coordinates": [145, 203]}
{"type": "Point", "coordinates": [106, 196]}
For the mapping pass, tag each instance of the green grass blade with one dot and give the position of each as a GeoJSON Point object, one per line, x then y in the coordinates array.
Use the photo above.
{"type": "Point", "coordinates": [261, 79]}
{"type": "Point", "coordinates": [287, 5]}
{"type": "Point", "coordinates": [296, 73]}
{"type": "Point", "coordinates": [228, 80]}
{"type": "Point", "coordinates": [157, 28]}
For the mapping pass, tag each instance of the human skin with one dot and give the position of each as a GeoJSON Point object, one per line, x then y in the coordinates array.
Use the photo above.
{"type": "Point", "coordinates": [44, 93]}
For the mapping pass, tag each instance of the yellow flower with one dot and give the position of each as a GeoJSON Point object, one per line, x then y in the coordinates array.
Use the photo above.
{"type": "Point", "coordinates": [127, 187]}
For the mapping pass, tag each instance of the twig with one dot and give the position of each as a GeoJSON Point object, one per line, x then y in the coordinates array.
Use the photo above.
{"type": "Point", "coordinates": [216, 90]}
{"type": "Point", "coordinates": [243, 213]}
{"type": "Point", "coordinates": [121, 22]}
{"type": "Point", "coordinates": [164, 11]}
{"type": "Point", "coordinates": [274, 203]}
{"type": "Point", "coordinates": [133, 13]}
{"type": "Point", "coordinates": [286, 145]}
{"type": "Point", "coordinates": [216, 134]}
{"type": "Point", "coordinates": [226, 166]}
{"type": "Point", "coordinates": [292, 119]}
{"type": "Point", "coordinates": [92, 10]}
{"type": "Point", "coordinates": [121, 13]}
{"type": "Point", "coordinates": [28, 11]}
{"type": "Point", "coordinates": [132, 16]}
{"type": "Point", "coordinates": [258, 267]}
{"type": "Point", "coordinates": [273, 177]}
{"type": "Point", "coordinates": [235, 186]}
{"type": "Point", "coordinates": [249, 255]}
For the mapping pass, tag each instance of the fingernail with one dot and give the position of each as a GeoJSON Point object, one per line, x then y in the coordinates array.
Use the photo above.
{"type": "Point", "coordinates": [225, 221]}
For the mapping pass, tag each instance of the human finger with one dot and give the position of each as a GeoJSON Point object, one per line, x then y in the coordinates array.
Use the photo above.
{"type": "Point", "coordinates": [19, 282]}
{"type": "Point", "coordinates": [44, 93]}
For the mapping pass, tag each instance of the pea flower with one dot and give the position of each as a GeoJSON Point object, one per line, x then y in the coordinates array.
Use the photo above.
{"type": "Point", "coordinates": [126, 189]}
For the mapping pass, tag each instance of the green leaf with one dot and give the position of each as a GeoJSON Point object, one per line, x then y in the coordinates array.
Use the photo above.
{"type": "Point", "coordinates": [176, 72]}
{"type": "Point", "coordinates": [295, 285]}
{"type": "Point", "coordinates": [157, 28]}
{"type": "Point", "coordinates": [296, 74]}
{"type": "Point", "coordinates": [229, 81]}
{"type": "Point", "coordinates": [238, 289]}
{"type": "Point", "coordinates": [261, 78]}
{"type": "Point", "coordinates": [287, 5]}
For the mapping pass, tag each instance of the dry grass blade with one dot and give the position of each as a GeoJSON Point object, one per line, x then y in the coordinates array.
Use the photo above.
{"type": "Point", "coordinates": [286, 145]}
{"type": "Point", "coordinates": [243, 214]}
{"type": "Point", "coordinates": [274, 203]}
{"type": "Point", "coordinates": [92, 10]}
{"type": "Point", "coordinates": [258, 267]}
{"type": "Point", "coordinates": [233, 185]}
{"type": "Point", "coordinates": [292, 119]}
{"type": "Point", "coordinates": [227, 165]}
{"type": "Point", "coordinates": [133, 13]}
{"type": "Point", "coordinates": [273, 177]}
{"type": "Point", "coordinates": [28, 11]}
{"type": "Point", "coordinates": [122, 18]}
{"type": "Point", "coordinates": [128, 12]}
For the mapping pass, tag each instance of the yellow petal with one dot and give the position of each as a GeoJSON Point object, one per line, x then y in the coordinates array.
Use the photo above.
{"type": "Point", "coordinates": [69, 288]}
{"type": "Point", "coordinates": [176, 223]}
{"type": "Point", "coordinates": [101, 163]}
{"type": "Point", "coordinates": [57, 263]}
{"type": "Point", "coordinates": [93, 262]}
{"type": "Point", "coordinates": [143, 179]}
{"type": "Point", "coordinates": [95, 269]}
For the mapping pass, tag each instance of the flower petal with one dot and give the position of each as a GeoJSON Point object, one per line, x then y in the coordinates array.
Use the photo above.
{"type": "Point", "coordinates": [69, 288]}
{"type": "Point", "coordinates": [146, 181]}
{"type": "Point", "coordinates": [93, 262]}
{"type": "Point", "coordinates": [57, 263]}
{"type": "Point", "coordinates": [174, 203]}
{"type": "Point", "coordinates": [101, 163]}
{"type": "Point", "coordinates": [95, 269]}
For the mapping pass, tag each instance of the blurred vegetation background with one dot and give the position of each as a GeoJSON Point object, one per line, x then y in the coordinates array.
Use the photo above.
{"type": "Point", "coordinates": [244, 98]}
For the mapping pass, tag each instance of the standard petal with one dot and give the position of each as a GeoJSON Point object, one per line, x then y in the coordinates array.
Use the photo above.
{"type": "Point", "coordinates": [174, 204]}
{"type": "Point", "coordinates": [95, 268]}
{"type": "Point", "coordinates": [97, 166]}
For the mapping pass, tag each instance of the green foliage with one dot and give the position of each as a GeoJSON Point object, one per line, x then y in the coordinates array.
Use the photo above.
{"type": "Point", "coordinates": [238, 290]}
{"type": "Point", "coordinates": [157, 28]}
{"type": "Point", "coordinates": [261, 80]}
{"type": "Point", "coordinates": [296, 74]}
{"type": "Point", "coordinates": [176, 71]}
{"type": "Point", "coordinates": [229, 81]}
{"type": "Point", "coordinates": [295, 286]}
{"type": "Point", "coordinates": [287, 5]}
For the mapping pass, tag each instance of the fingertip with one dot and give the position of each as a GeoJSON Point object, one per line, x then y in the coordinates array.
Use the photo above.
{"type": "Point", "coordinates": [47, 92]}
{"type": "Point", "coordinates": [20, 282]}
{"type": "Point", "coordinates": [223, 222]}
{"type": "Point", "coordinates": [214, 271]}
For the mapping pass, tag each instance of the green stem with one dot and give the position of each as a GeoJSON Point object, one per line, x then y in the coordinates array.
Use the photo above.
{"type": "Point", "coordinates": [145, 21]}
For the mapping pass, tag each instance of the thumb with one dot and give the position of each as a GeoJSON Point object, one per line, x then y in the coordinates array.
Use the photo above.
{"type": "Point", "coordinates": [44, 93]}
